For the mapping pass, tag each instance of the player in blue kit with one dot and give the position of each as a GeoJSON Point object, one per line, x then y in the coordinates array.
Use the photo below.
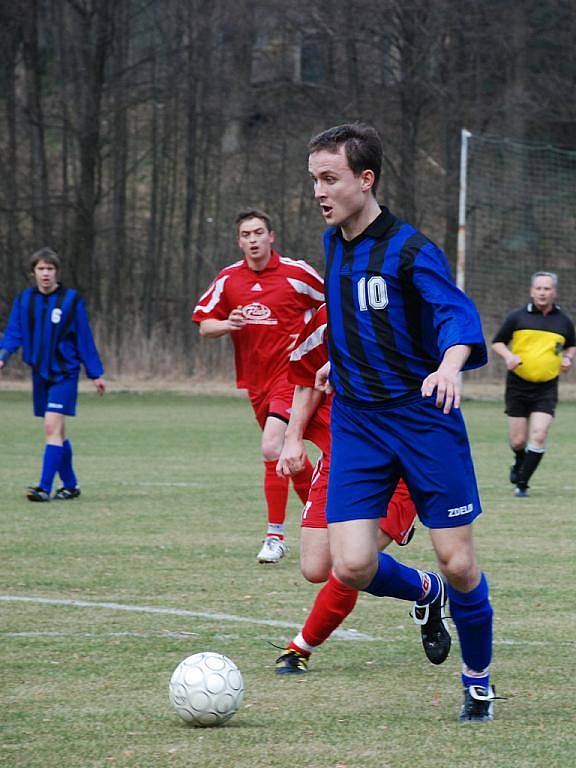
{"type": "Point", "coordinates": [50, 323]}
{"type": "Point", "coordinates": [400, 333]}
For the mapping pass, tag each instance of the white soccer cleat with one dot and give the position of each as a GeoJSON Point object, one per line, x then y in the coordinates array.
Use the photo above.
{"type": "Point", "coordinates": [273, 550]}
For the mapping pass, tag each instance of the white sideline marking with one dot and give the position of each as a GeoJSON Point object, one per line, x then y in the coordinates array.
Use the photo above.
{"type": "Point", "coordinates": [344, 634]}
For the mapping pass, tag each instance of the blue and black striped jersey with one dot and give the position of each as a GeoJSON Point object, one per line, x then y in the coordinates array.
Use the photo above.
{"type": "Point", "coordinates": [54, 334]}
{"type": "Point", "coordinates": [393, 311]}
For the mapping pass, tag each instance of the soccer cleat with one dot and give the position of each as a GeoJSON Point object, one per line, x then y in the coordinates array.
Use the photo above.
{"type": "Point", "coordinates": [521, 492]}
{"type": "Point", "coordinates": [273, 550]}
{"type": "Point", "coordinates": [431, 618]}
{"type": "Point", "coordinates": [291, 663]}
{"type": "Point", "coordinates": [478, 704]}
{"type": "Point", "coordinates": [65, 494]}
{"type": "Point", "coordinates": [37, 494]}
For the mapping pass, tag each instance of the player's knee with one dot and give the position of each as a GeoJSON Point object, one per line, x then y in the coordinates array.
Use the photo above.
{"type": "Point", "coordinates": [270, 450]}
{"type": "Point", "coordinates": [315, 573]}
{"type": "Point", "coordinates": [52, 430]}
{"type": "Point", "coordinates": [538, 439]}
{"type": "Point", "coordinates": [517, 444]}
{"type": "Point", "coordinates": [355, 574]}
{"type": "Point", "coordinates": [460, 569]}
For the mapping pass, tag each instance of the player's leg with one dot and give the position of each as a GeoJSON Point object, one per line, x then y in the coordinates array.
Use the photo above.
{"type": "Point", "coordinates": [53, 431]}
{"type": "Point", "coordinates": [472, 613]}
{"type": "Point", "coordinates": [280, 407]}
{"type": "Point", "coordinates": [275, 491]}
{"type": "Point", "coordinates": [335, 601]}
{"type": "Point", "coordinates": [518, 439]}
{"type": "Point", "coordinates": [364, 473]}
{"type": "Point", "coordinates": [52, 459]}
{"type": "Point", "coordinates": [540, 424]}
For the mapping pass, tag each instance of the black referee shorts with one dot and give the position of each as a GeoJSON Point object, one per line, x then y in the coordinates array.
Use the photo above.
{"type": "Point", "coordinates": [524, 397]}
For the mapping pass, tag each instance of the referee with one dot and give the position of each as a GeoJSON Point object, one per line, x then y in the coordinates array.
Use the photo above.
{"type": "Point", "coordinates": [537, 343]}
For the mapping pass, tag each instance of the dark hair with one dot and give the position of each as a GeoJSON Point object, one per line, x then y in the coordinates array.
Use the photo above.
{"type": "Point", "coordinates": [362, 145]}
{"type": "Point", "coordinates": [47, 255]}
{"type": "Point", "coordinates": [254, 213]}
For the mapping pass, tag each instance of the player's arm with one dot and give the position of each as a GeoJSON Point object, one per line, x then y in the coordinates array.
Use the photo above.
{"type": "Point", "coordinates": [12, 339]}
{"type": "Point", "coordinates": [446, 380]}
{"type": "Point", "coordinates": [87, 348]}
{"type": "Point", "coordinates": [293, 455]}
{"type": "Point", "coordinates": [512, 361]}
{"type": "Point", "coordinates": [212, 328]}
{"type": "Point", "coordinates": [568, 358]}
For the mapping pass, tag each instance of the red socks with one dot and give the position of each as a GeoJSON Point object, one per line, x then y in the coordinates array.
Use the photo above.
{"type": "Point", "coordinates": [276, 492]}
{"type": "Point", "coordinates": [333, 603]}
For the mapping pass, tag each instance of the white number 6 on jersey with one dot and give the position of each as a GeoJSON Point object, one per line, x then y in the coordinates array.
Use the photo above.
{"type": "Point", "coordinates": [373, 293]}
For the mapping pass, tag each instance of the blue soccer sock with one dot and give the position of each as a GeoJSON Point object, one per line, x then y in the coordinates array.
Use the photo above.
{"type": "Point", "coordinates": [50, 465]}
{"type": "Point", "coordinates": [393, 579]}
{"type": "Point", "coordinates": [66, 470]}
{"type": "Point", "coordinates": [472, 615]}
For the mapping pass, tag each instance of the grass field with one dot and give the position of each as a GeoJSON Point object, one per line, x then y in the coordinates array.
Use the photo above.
{"type": "Point", "coordinates": [160, 552]}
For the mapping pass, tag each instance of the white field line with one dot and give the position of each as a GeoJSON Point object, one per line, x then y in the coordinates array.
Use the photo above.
{"type": "Point", "coordinates": [343, 634]}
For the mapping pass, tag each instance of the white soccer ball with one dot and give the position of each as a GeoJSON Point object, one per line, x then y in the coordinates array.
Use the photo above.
{"type": "Point", "coordinates": [206, 689]}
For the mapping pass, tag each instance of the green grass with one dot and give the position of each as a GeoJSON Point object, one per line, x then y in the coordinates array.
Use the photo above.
{"type": "Point", "coordinates": [172, 516]}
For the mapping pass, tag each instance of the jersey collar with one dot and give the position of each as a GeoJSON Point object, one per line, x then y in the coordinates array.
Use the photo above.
{"type": "Point", "coordinates": [377, 229]}
{"type": "Point", "coordinates": [274, 263]}
{"type": "Point", "coordinates": [535, 311]}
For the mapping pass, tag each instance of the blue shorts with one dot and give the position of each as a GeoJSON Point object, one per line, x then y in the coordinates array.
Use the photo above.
{"type": "Point", "coordinates": [57, 397]}
{"type": "Point", "coordinates": [373, 448]}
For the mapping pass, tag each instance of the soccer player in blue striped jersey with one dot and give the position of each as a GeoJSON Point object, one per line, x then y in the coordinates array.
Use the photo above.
{"type": "Point", "coordinates": [50, 323]}
{"type": "Point", "coordinates": [400, 334]}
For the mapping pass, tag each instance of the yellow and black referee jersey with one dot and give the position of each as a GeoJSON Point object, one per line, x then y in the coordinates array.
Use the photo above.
{"type": "Point", "coordinates": [538, 340]}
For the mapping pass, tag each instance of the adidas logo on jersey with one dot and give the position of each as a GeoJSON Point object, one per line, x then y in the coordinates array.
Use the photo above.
{"type": "Point", "coordinates": [256, 287]}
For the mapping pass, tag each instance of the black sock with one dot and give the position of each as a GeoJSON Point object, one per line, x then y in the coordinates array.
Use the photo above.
{"type": "Point", "coordinates": [529, 465]}
{"type": "Point", "coordinates": [519, 453]}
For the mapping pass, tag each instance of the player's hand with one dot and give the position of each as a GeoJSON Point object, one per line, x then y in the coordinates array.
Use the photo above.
{"type": "Point", "coordinates": [100, 385]}
{"type": "Point", "coordinates": [446, 383]}
{"type": "Point", "coordinates": [236, 319]}
{"type": "Point", "coordinates": [292, 458]}
{"type": "Point", "coordinates": [1, 364]}
{"type": "Point", "coordinates": [322, 382]}
{"type": "Point", "coordinates": [513, 361]}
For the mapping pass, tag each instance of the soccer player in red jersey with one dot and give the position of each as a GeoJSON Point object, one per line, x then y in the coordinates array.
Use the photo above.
{"type": "Point", "coordinates": [310, 419]}
{"type": "Point", "coordinates": [264, 301]}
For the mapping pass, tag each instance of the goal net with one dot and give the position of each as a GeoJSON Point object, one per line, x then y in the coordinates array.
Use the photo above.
{"type": "Point", "coordinates": [520, 218]}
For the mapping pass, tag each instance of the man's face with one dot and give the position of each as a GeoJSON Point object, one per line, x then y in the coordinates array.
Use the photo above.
{"type": "Point", "coordinates": [46, 276]}
{"type": "Point", "coordinates": [341, 194]}
{"type": "Point", "coordinates": [255, 240]}
{"type": "Point", "coordinates": [543, 292]}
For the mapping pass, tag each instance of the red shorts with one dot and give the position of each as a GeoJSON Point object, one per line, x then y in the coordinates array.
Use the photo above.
{"type": "Point", "coordinates": [397, 524]}
{"type": "Point", "coordinates": [276, 401]}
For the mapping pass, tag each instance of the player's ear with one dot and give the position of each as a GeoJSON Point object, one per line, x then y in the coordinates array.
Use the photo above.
{"type": "Point", "coordinates": [367, 179]}
{"type": "Point", "coordinates": [272, 236]}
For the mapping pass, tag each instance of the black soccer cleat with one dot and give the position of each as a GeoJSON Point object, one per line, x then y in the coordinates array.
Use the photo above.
{"type": "Point", "coordinates": [65, 494]}
{"type": "Point", "coordinates": [521, 491]}
{"type": "Point", "coordinates": [292, 663]}
{"type": "Point", "coordinates": [37, 494]}
{"type": "Point", "coordinates": [478, 706]}
{"type": "Point", "coordinates": [431, 618]}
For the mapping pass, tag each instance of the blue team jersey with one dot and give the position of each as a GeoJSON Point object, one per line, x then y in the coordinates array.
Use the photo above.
{"type": "Point", "coordinates": [54, 334]}
{"type": "Point", "coordinates": [393, 311]}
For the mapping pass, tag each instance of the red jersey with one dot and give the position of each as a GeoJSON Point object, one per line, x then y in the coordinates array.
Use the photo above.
{"type": "Point", "coordinates": [309, 354]}
{"type": "Point", "coordinates": [276, 302]}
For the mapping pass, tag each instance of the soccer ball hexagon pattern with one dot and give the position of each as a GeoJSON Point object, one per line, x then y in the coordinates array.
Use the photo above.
{"type": "Point", "coordinates": [206, 689]}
